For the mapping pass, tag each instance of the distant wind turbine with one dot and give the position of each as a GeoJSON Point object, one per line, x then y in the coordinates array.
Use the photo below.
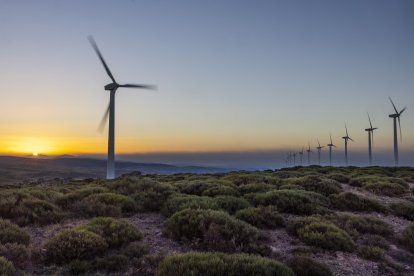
{"type": "Point", "coordinates": [330, 150]}
{"type": "Point", "coordinates": [294, 158]}
{"type": "Point", "coordinates": [396, 116]}
{"type": "Point", "coordinates": [346, 138]}
{"type": "Point", "coordinates": [309, 152]}
{"type": "Point", "coordinates": [319, 147]}
{"type": "Point", "coordinates": [110, 111]}
{"type": "Point", "coordinates": [370, 131]}
{"type": "Point", "coordinates": [301, 156]}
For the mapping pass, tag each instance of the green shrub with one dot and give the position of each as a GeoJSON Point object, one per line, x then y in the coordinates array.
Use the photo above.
{"type": "Point", "coordinates": [107, 204]}
{"type": "Point", "coordinates": [11, 233]}
{"type": "Point", "coordinates": [356, 225]}
{"type": "Point", "coordinates": [351, 202]}
{"type": "Point", "coordinates": [305, 266]}
{"type": "Point", "coordinates": [325, 187]}
{"type": "Point", "coordinates": [387, 186]}
{"type": "Point", "coordinates": [220, 190]}
{"type": "Point", "coordinates": [262, 217]}
{"type": "Point", "coordinates": [116, 232]}
{"type": "Point", "coordinates": [255, 188]}
{"type": "Point", "coordinates": [74, 245]}
{"type": "Point", "coordinates": [136, 250]}
{"type": "Point", "coordinates": [291, 187]}
{"type": "Point", "coordinates": [231, 204]}
{"type": "Point", "coordinates": [403, 209]}
{"type": "Point", "coordinates": [407, 237]}
{"type": "Point", "coordinates": [293, 201]}
{"type": "Point", "coordinates": [214, 230]}
{"type": "Point", "coordinates": [18, 254]}
{"type": "Point", "coordinates": [180, 202]}
{"type": "Point", "coordinates": [373, 253]}
{"type": "Point", "coordinates": [318, 232]}
{"type": "Point", "coordinates": [79, 267]}
{"type": "Point", "coordinates": [150, 195]}
{"type": "Point", "coordinates": [112, 263]}
{"type": "Point", "coordinates": [374, 240]}
{"type": "Point", "coordinates": [6, 267]}
{"type": "Point", "coordinates": [341, 178]}
{"type": "Point", "coordinates": [195, 187]}
{"type": "Point", "coordinates": [218, 264]}
{"type": "Point", "coordinates": [77, 195]}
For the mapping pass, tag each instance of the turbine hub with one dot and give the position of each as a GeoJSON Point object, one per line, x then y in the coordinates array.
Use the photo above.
{"type": "Point", "coordinates": [111, 86]}
{"type": "Point", "coordinates": [393, 115]}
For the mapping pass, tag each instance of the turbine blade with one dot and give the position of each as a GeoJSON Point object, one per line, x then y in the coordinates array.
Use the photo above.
{"type": "Point", "coordinates": [393, 105]}
{"type": "Point", "coordinates": [95, 47]}
{"type": "Point", "coordinates": [331, 137]}
{"type": "Point", "coordinates": [369, 120]}
{"type": "Point", "coordinates": [318, 142]}
{"type": "Point", "coordinates": [346, 130]}
{"type": "Point", "coordinates": [152, 87]}
{"type": "Point", "coordinates": [351, 139]}
{"type": "Point", "coordinates": [104, 119]}
{"type": "Point", "coordinates": [402, 110]}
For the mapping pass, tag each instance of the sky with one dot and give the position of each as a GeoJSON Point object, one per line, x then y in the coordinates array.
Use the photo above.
{"type": "Point", "coordinates": [240, 82]}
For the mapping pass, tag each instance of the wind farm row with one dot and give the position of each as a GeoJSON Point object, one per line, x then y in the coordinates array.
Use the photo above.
{"type": "Point", "coordinates": [291, 159]}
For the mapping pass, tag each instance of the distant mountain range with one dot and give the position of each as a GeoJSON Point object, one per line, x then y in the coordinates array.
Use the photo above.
{"type": "Point", "coordinates": [17, 169]}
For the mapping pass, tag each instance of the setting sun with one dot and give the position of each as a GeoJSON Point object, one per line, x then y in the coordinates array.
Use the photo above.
{"type": "Point", "coordinates": [35, 154]}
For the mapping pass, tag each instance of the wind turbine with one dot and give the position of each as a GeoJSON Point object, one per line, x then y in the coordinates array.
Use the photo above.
{"type": "Point", "coordinates": [110, 111]}
{"type": "Point", "coordinates": [309, 152]}
{"type": "Point", "coordinates": [330, 150]}
{"type": "Point", "coordinates": [396, 116]}
{"type": "Point", "coordinates": [370, 139]}
{"type": "Point", "coordinates": [301, 156]}
{"type": "Point", "coordinates": [346, 138]}
{"type": "Point", "coordinates": [319, 147]}
{"type": "Point", "coordinates": [294, 158]}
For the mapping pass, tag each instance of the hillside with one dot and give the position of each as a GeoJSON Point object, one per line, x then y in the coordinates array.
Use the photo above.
{"type": "Point", "coordinates": [298, 221]}
{"type": "Point", "coordinates": [17, 169]}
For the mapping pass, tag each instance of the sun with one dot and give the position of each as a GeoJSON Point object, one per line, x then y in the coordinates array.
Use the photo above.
{"type": "Point", "coordinates": [35, 154]}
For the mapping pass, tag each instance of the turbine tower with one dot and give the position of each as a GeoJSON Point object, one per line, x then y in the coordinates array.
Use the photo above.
{"type": "Point", "coordinates": [396, 116]}
{"type": "Point", "coordinates": [309, 152]}
{"type": "Point", "coordinates": [330, 150]}
{"type": "Point", "coordinates": [319, 147]}
{"type": "Point", "coordinates": [370, 131]}
{"type": "Point", "coordinates": [294, 158]}
{"type": "Point", "coordinates": [346, 138]}
{"type": "Point", "coordinates": [110, 111]}
{"type": "Point", "coordinates": [301, 156]}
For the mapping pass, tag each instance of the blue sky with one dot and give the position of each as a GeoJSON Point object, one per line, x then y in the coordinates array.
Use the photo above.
{"type": "Point", "coordinates": [236, 76]}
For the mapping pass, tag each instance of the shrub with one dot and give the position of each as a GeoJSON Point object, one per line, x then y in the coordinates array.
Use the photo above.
{"type": "Point", "coordinates": [16, 253]}
{"type": "Point", "coordinates": [374, 240]}
{"type": "Point", "coordinates": [150, 195]}
{"type": "Point", "coordinates": [78, 267]}
{"type": "Point", "coordinates": [355, 225]}
{"type": "Point", "coordinates": [220, 190]}
{"type": "Point", "coordinates": [351, 202]}
{"type": "Point", "coordinates": [388, 186]}
{"type": "Point", "coordinates": [293, 201]}
{"type": "Point", "coordinates": [341, 178]}
{"type": "Point", "coordinates": [291, 187]}
{"type": "Point", "coordinates": [195, 187]}
{"type": "Point", "coordinates": [255, 188]}
{"type": "Point", "coordinates": [403, 209]}
{"type": "Point", "coordinates": [374, 253]}
{"type": "Point", "coordinates": [107, 204]}
{"type": "Point", "coordinates": [74, 244]}
{"type": "Point", "coordinates": [116, 232]}
{"type": "Point", "coordinates": [407, 237]}
{"type": "Point", "coordinates": [318, 232]}
{"type": "Point", "coordinates": [180, 202]}
{"type": "Point", "coordinates": [112, 263]}
{"type": "Point", "coordinates": [218, 264]}
{"type": "Point", "coordinates": [75, 196]}
{"type": "Point", "coordinates": [325, 187]}
{"type": "Point", "coordinates": [262, 217]}
{"type": "Point", "coordinates": [214, 230]}
{"type": "Point", "coordinates": [231, 204]}
{"type": "Point", "coordinates": [136, 250]}
{"type": "Point", "coordinates": [305, 266]}
{"type": "Point", "coordinates": [11, 233]}
{"type": "Point", "coordinates": [6, 267]}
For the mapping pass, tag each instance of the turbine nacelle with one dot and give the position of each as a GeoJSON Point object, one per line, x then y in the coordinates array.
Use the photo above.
{"type": "Point", "coordinates": [111, 86]}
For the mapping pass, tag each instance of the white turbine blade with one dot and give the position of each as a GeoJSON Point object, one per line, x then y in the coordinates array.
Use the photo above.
{"type": "Point", "coordinates": [104, 119]}
{"type": "Point", "coordinates": [369, 120]}
{"type": "Point", "coordinates": [402, 110]}
{"type": "Point", "coordinates": [393, 105]}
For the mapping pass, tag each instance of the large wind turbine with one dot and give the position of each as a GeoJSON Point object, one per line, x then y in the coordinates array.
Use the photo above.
{"type": "Point", "coordinates": [346, 138]}
{"type": "Point", "coordinates": [396, 116]}
{"type": "Point", "coordinates": [330, 150]}
{"type": "Point", "coordinates": [309, 152]}
{"type": "Point", "coordinates": [319, 147]}
{"type": "Point", "coordinates": [110, 111]}
{"type": "Point", "coordinates": [370, 139]}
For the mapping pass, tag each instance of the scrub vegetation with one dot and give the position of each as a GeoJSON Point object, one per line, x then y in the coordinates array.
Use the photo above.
{"type": "Point", "coordinates": [297, 221]}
